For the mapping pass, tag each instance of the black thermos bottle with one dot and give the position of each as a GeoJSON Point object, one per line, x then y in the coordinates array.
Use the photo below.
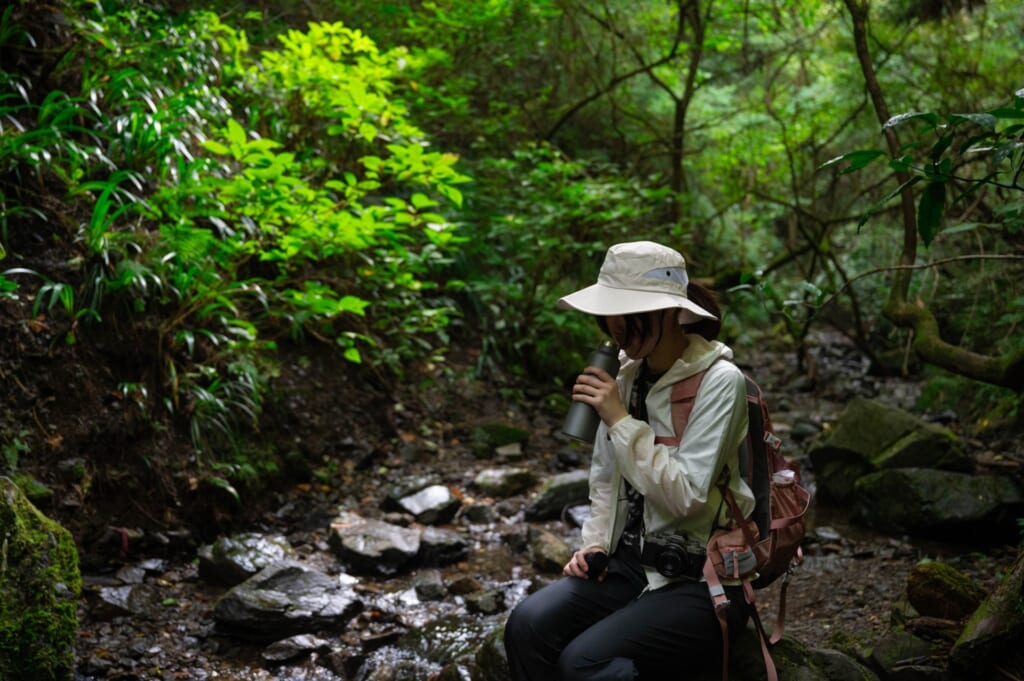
{"type": "Point", "coordinates": [582, 420]}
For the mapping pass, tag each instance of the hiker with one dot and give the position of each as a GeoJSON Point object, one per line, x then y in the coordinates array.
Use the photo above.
{"type": "Point", "coordinates": [645, 612]}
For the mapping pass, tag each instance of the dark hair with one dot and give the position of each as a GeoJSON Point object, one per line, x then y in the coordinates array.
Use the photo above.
{"type": "Point", "coordinates": [640, 323]}
{"type": "Point", "coordinates": [705, 297]}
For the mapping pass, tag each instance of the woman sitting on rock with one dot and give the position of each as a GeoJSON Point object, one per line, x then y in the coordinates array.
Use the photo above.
{"type": "Point", "coordinates": [632, 603]}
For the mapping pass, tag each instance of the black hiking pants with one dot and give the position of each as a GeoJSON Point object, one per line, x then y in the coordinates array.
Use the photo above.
{"type": "Point", "coordinates": [585, 630]}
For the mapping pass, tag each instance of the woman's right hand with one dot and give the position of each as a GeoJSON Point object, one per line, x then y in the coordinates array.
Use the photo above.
{"type": "Point", "coordinates": [578, 566]}
{"type": "Point", "coordinates": [598, 388]}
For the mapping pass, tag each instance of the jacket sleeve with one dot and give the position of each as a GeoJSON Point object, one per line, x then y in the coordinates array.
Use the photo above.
{"type": "Point", "coordinates": [596, 529]}
{"type": "Point", "coordinates": [679, 479]}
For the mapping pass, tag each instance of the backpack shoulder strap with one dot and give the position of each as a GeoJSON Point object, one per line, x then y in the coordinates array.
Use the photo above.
{"type": "Point", "coordinates": [684, 393]}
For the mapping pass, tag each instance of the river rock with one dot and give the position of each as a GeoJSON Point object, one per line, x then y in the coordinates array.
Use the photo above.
{"type": "Point", "coordinates": [486, 602]}
{"type": "Point", "coordinates": [900, 654]}
{"type": "Point", "coordinates": [491, 660]}
{"type": "Point", "coordinates": [504, 482]}
{"type": "Point", "coordinates": [373, 547]}
{"type": "Point", "coordinates": [429, 585]}
{"type": "Point", "coordinates": [991, 641]}
{"type": "Point", "coordinates": [286, 599]}
{"type": "Point", "coordinates": [937, 589]}
{"type": "Point", "coordinates": [869, 436]}
{"type": "Point", "coordinates": [549, 552]}
{"type": "Point", "coordinates": [489, 437]}
{"type": "Point", "coordinates": [433, 505]}
{"type": "Point", "coordinates": [231, 560]}
{"type": "Point", "coordinates": [558, 492]}
{"type": "Point", "coordinates": [406, 487]}
{"type": "Point", "coordinates": [40, 584]}
{"type": "Point", "coordinates": [293, 647]}
{"type": "Point", "coordinates": [793, 660]}
{"type": "Point", "coordinates": [439, 547]}
{"type": "Point", "coordinates": [940, 504]}
{"type": "Point", "coordinates": [139, 600]}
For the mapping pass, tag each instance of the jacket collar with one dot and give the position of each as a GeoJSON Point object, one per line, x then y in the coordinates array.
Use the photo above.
{"type": "Point", "coordinates": [700, 354]}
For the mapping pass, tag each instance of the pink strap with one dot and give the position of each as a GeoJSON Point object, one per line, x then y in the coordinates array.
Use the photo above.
{"type": "Point", "coordinates": [684, 393]}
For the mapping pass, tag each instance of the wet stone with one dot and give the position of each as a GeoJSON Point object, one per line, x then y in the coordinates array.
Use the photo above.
{"type": "Point", "coordinates": [139, 600]}
{"type": "Point", "coordinates": [285, 599]}
{"type": "Point", "coordinates": [231, 560]}
{"type": "Point", "coordinates": [487, 602]}
{"type": "Point", "coordinates": [440, 547]}
{"type": "Point", "coordinates": [559, 491]}
{"type": "Point", "coordinates": [432, 505]}
{"type": "Point", "coordinates": [430, 586]}
{"type": "Point", "coordinates": [293, 647]}
{"type": "Point", "coordinates": [372, 547]}
{"type": "Point", "coordinates": [407, 487]}
{"type": "Point", "coordinates": [504, 482]}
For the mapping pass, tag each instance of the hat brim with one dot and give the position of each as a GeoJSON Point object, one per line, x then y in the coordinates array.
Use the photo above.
{"type": "Point", "coordinates": [605, 301]}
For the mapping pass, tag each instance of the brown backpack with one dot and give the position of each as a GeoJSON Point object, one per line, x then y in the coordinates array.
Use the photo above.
{"type": "Point", "coordinates": [759, 549]}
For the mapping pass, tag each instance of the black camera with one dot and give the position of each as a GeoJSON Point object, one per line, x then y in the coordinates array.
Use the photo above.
{"type": "Point", "coordinates": [673, 556]}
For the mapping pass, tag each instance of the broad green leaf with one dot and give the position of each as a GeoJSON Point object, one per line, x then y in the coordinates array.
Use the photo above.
{"type": "Point", "coordinates": [215, 147]}
{"type": "Point", "coordinates": [421, 201]}
{"type": "Point", "coordinates": [1007, 113]}
{"type": "Point", "coordinates": [858, 159]}
{"type": "Point", "coordinates": [985, 120]}
{"type": "Point", "coordinates": [368, 131]}
{"type": "Point", "coordinates": [929, 211]}
{"type": "Point", "coordinates": [930, 118]}
{"type": "Point", "coordinates": [235, 132]}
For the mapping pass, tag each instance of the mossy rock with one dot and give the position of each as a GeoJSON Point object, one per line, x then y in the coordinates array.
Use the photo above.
{"type": "Point", "coordinates": [953, 507]}
{"type": "Point", "coordinates": [938, 589]}
{"type": "Point", "coordinates": [487, 437]}
{"type": "Point", "coordinates": [36, 492]}
{"type": "Point", "coordinates": [40, 585]}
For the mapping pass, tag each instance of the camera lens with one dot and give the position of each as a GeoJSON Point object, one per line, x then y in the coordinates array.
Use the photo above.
{"type": "Point", "coordinates": [672, 562]}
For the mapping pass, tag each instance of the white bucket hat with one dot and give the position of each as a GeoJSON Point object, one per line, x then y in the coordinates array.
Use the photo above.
{"type": "Point", "coordinates": [638, 276]}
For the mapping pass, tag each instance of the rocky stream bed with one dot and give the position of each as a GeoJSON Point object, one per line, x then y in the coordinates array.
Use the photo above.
{"type": "Point", "coordinates": [149, 611]}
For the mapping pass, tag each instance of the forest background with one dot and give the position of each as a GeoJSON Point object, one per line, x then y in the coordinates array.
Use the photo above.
{"type": "Point", "coordinates": [192, 194]}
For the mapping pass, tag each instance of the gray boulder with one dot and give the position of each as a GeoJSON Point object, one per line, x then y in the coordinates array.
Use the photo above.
{"type": "Point", "coordinates": [548, 552]}
{"type": "Point", "coordinates": [870, 436]}
{"type": "Point", "coordinates": [231, 560]}
{"type": "Point", "coordinates": [940, 504]}
{"type": "Point", "coordinates": [373, 547]}
{"type": "Point", "coordinates": [557, 493]}
{"type": "Point", "coordinates": [504, 482]}
{"type": "Point", "coordinates": [439, 547]}
{"type": "Point", "coordinates": [287, 599]}
{"type": "Point", "coordinates": [433, 505]}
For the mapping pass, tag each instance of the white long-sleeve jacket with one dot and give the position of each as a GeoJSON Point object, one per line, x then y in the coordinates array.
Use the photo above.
{"type": "Point", "coordinates": [677, 482]}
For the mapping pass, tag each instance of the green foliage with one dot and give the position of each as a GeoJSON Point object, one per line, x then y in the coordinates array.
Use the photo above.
{"type": "Point", "coordinates": [12, 449]}
{"type": "Point", "coordinates": [220, 195]}
{"type": "Point", "coordinates": [984, 407]}
{"type": "Point", "coordinates": [968, 154]}
{"type": "Point", "coordinates": [543, 223]}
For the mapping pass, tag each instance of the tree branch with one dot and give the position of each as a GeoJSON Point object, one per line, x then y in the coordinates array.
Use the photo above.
{"type": "Point", "coordinates": [1008, 370]}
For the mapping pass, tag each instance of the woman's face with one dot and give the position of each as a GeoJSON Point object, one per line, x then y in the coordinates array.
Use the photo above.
{"type": "Point", "coordinates": [636, 334]}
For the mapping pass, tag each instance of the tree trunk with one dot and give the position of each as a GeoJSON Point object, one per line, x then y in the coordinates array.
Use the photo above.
{"type": "Point", "coordinates": [1007, 371]}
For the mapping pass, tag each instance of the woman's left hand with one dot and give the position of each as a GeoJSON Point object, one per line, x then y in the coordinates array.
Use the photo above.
{"type": "Point", "coordinates": [597, 388]}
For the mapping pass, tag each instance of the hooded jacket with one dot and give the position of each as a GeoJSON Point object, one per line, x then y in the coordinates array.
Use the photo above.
{"type": "Point", "coordinates": [677, 482]}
